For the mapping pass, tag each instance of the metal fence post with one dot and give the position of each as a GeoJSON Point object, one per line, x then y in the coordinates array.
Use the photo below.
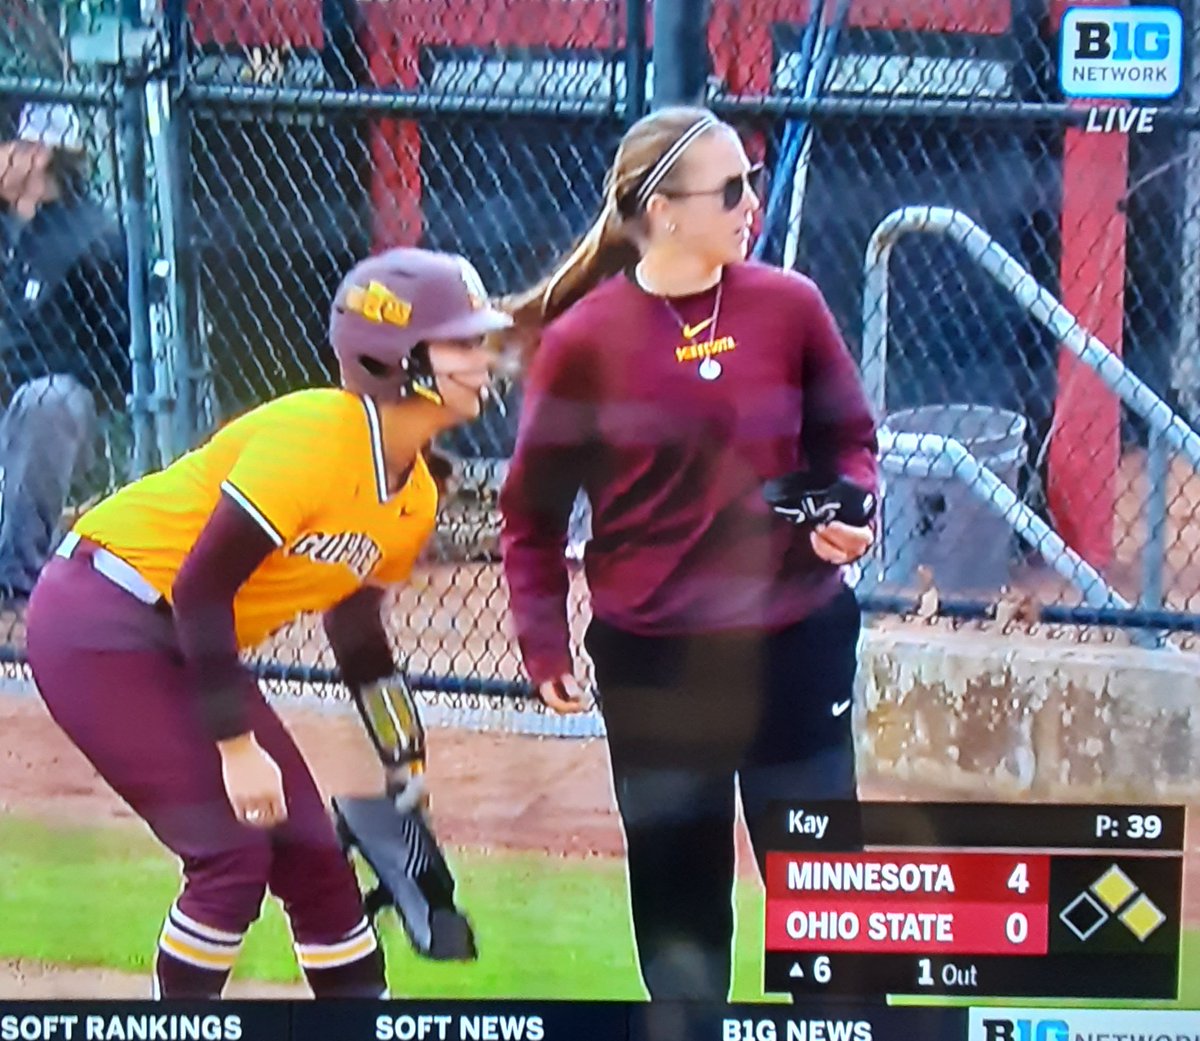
{"type": "Point", "coordinates": [137, 240]}
{"type": "Point", "coordinates": [190, 368]}
{"type": "Point", "coordinates": [1154, 552]}
{"type": "Point", "coordinates": [680, 52]}
{"type": "Point", "coordinates": [635, 60]}
{"type": "Point", "coordinates": [1185, 365]}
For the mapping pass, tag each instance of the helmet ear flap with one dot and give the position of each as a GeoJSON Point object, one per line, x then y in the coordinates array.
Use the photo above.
{"type": "Point", "coordinates": [421, 380]}
{"type": "Point", "coordinates": [374, 367]}
{"type": "Point", "coordinates": [411, 376]}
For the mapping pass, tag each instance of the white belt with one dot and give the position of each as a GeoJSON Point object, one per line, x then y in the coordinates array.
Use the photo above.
{"type": "Point", "coordinates": [112, 567]}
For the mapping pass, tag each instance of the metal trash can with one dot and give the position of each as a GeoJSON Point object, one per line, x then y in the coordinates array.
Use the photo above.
{"type": "Point", "coordinates": [941, 522]}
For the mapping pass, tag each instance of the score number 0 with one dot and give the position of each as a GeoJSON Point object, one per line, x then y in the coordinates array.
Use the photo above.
{"type": "Point", "coordinates": [1016, 926]}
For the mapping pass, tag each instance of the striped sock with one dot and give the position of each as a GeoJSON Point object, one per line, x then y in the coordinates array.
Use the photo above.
{"type": "Point", "coordinates": [194, 960]}
{"type": "Point", "coordinates": [350, 967]}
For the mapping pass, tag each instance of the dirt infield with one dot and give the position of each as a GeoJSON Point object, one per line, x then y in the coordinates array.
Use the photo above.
{"type": "Point", "coordinates": [490, 790]}
{"type": "Point", "coordinates": [497, 791]}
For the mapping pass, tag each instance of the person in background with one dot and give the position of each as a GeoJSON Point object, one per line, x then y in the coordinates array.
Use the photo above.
{"type": "Point", "coordinates": [670, 379]}
{"type": "Point", "coordinates": [64, 333]}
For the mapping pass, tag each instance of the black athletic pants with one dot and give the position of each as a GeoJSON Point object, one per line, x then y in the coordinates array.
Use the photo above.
{"type": "Point", "coordinates": [684, 714]}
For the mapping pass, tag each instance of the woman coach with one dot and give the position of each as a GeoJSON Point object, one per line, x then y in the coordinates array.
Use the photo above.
{"type": "Point", "coordinates": [670, 379]}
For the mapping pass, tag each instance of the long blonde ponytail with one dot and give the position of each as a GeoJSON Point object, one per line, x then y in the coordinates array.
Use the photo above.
{"type": "Point", "coordinates": [648, 152]}
{"type": "Point", "coordinates": [604, 250]}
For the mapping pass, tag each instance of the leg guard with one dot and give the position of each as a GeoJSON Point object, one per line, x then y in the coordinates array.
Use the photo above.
{"type": "Point", "coordinates": [411, 873]}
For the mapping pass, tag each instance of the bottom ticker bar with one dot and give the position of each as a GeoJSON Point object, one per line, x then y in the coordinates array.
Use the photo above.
{"type": "Point", "coordinates": [815, 1019]}
{"type": "Point", "coordinates": [1055, 976]}
{"type": "Point", "coordinates": [830, 1020]}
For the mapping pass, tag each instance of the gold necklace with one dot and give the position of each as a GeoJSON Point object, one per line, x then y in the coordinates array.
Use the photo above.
{"type": "Point", "coordinates": [709, 369]}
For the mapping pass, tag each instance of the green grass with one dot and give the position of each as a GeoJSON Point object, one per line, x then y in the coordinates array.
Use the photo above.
{"type": "Point", "coordinates": [548, 928]}
{"type": "Point", "coordinates": [81, 896]}
{"type": "Point", "coordinates": [96, 897]}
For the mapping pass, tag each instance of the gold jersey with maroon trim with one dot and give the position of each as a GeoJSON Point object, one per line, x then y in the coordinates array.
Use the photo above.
{"type": "Point", "coordinates": [309, 469]}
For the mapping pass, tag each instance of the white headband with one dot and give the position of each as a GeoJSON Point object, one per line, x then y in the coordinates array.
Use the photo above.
{"type": "Point", "coordinates": [671, 156]}
{"type": "Point", "coordinates": [653, 179]}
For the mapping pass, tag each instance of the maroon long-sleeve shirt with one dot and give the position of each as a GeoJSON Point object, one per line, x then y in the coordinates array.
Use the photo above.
{"type": "Point", "coordinates": [673, 463]}
{"type": "Point", "coordinates": [230, 548]}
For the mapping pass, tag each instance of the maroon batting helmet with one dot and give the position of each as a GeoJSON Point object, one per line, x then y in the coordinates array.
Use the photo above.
{"type": "Point", "coordinates": [390, 303]}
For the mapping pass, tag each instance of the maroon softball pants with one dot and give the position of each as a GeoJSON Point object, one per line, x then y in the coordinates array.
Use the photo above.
{"type": "Point", "coordinates": [110, 672]}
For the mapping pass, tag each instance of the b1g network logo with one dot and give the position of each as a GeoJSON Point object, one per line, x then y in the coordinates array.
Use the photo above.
{"type": "Point", "coordinates": [1031, 1024]}
{"type": "Point", "coordinates": [1121, 52]}
{"type": "Point", "coordinates": [1001, 1028]}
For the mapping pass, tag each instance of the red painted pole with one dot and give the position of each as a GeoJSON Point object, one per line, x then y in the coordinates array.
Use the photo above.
{"type": "Point", "coordinates": [1085, 436]}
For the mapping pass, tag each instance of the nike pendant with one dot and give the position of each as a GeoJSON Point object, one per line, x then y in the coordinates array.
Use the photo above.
{"type": "Point", "coordinates": [710, 369]}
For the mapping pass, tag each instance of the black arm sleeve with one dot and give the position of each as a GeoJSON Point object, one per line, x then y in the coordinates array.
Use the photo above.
{"type": "Point", "coordinates": [229, 550]}
{"type": "Point", "coordinates": [359, 641]}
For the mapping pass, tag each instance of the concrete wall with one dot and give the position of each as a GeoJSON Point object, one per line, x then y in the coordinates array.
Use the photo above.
{"type": "Point", "coordinates": [1010, 717]}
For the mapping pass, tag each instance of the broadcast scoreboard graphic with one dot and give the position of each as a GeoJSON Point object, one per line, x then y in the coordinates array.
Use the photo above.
{"type": "Point", "coordinates": [1016, 900]}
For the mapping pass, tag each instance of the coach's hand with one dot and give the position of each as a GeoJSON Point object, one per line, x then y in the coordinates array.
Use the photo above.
{"type": "Point", "coordinates": [252, 782]}
{"type": "Point", "coordinates": [563, 694]}
{"type": "Point", "coordinates": [838, 543]}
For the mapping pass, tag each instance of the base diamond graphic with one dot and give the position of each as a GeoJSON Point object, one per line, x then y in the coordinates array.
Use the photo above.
{"type": "Point", "coordinates": [1113, 888]}
{"type": "Point", "coordinates": [1142, 917]}
{"type": "Point", "coordinates": [1083, 916]}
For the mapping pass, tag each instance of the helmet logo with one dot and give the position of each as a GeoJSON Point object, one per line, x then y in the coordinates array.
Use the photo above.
{"type": "Point", "coordinates": [476, 293]}
{"type": "Point", "coordinates": [377, 303]}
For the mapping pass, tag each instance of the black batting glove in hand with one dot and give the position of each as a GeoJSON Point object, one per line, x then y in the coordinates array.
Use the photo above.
{"type": "Point", "coordinates": [802, 499]}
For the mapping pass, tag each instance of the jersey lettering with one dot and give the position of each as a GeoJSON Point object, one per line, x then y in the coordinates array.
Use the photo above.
{"type": "Point", "coordinates": [352, 549]}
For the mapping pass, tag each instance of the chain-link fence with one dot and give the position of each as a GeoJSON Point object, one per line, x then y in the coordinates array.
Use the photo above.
{"type": "Point", "coordinates": [989, 248]}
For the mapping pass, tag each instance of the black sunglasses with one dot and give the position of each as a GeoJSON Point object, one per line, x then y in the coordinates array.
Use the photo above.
{"type": "Point", "coordinates": [731, 192]}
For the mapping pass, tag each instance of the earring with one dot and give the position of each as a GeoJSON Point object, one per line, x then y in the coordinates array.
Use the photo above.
{"type": "Point", "coordinates": [672, 227]}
